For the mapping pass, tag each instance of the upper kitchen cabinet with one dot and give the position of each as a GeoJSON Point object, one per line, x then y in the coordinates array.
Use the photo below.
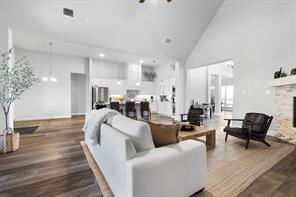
{"type": "Point", "coordinates": [133, 76]}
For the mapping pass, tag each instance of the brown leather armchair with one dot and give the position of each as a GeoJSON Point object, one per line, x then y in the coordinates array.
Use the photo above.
{"type": "Point", "coordinates": [195, 116]}
{"type": "Point", "coordinates": [254, 127]}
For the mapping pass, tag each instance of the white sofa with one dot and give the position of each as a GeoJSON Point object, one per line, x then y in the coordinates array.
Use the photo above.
{"type": "Point", "coordinates": [132, 165]}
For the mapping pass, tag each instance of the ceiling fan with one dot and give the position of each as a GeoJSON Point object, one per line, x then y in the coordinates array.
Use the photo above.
{"type": "Point", "coordinates": [143, 1]}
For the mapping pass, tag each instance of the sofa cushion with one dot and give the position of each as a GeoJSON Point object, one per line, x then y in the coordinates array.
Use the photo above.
{"type": "Point", "coordinates": [137, 131]}
{"type": "Point", "coordinates": [164, 135]}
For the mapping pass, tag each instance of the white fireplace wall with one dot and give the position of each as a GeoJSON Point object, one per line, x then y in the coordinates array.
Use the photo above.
{"type": "Point", "coordinates": [283, 115]}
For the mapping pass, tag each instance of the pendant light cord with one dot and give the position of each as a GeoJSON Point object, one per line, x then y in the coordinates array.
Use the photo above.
{"type": "Point", "coordinates": [50, 68]}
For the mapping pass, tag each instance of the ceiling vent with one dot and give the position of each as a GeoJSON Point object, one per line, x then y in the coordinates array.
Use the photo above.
{"type": "Point", "coordinates": [68, 12]}
{"type": "Point", "coordinates": [167, 40]}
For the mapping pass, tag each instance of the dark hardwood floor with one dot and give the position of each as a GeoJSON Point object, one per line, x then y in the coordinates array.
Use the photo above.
{"type": "Point", "coordinates": [279, 181]}
{"type": "Point", "coordinates": [50, 162]}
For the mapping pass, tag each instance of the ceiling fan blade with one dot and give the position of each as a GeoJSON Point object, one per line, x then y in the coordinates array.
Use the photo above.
{"type": "Point", "coordinates": [143, 1]}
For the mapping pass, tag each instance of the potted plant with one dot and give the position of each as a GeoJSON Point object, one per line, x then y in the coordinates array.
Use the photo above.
{"type": "Point", "coordinates": [14, 80]}
{"type": "Point", "coordinates": [150, 76]}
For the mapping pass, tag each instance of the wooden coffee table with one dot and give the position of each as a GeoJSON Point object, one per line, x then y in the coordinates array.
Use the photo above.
{"type": "Point", "coordinates": [199, 132]}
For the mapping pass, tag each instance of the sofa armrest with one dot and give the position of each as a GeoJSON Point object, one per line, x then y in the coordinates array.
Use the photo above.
{"type": "Point", "coordinates": [174, 170]}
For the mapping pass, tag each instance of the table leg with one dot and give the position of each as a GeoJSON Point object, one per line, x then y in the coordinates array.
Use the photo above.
{"type": "Point", "coordinates": [211, 139]}
{"type": "Point", "coordinates": [211, 112]}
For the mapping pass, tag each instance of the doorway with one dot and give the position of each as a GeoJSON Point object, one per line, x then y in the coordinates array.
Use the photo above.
{"type": "Point", "coordinates": [78, 94]}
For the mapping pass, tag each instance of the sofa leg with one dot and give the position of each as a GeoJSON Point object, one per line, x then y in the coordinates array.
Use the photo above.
{"type": "Point", "coordinates": [266, 143]}
{"type": "Point", "coordinates": [226, 136]}
{"type": "Point", "coordinates": [198, 192]}
{"type": "Point", "coordinates": [247, 144]}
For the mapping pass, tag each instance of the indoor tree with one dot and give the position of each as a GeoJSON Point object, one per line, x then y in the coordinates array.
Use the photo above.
{"type": "Point", "coordinates": [14, 80]}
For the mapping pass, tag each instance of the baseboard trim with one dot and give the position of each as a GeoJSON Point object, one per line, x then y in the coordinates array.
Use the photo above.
{"type": "Point", "coordinates": [78, 114]}
{"type": "Point", "coordinates": [42, 118]}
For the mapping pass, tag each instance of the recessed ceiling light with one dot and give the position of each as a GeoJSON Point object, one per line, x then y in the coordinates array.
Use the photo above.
{"type": "Point", "coordinates": [141, 61]}
{"type": "Point", "coordinates": [44, 78]}
{"type": "Point", "coordinates": [102, 55]}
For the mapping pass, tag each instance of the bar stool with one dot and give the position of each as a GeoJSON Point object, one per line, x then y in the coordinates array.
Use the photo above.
{"type": "Point", "coordinates": [131, 111]}
{"type": "Point", "coordinates": [115, 106]}
{"type": "Point", "coordinates": [145, 110]}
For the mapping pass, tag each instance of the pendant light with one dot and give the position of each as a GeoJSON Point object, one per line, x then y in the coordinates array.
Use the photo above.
{"type": "Point", "coordinates": [51, 77]}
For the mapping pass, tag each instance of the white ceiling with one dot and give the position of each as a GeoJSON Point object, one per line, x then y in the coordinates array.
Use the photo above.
{"type": "Point", "coordinates": [114, 27]}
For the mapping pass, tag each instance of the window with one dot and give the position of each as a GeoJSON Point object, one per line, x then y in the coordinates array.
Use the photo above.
{"type": "Point", "coordinates": [227, 96]}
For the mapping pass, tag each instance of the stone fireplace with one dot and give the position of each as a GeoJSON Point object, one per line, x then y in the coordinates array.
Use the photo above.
{"type": "Point", "coordinates": [285, 108]}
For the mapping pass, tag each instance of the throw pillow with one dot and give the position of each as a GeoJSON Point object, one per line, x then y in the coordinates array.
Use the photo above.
{"type": "Point", "coordinates": [164, 135]}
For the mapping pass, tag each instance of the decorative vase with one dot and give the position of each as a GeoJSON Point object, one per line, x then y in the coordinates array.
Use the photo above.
{"type": "Point", "coordinates": [10, 142]}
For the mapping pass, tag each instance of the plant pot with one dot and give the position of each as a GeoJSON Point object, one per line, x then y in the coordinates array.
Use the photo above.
{"type": "Point", "coordinates": [2, 143]}
{"type": "Point", "coordinates": [11, 142]}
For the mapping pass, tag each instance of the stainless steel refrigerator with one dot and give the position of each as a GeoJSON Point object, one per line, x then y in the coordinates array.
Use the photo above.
{"type": "Point", "coordinates": [99, 94]}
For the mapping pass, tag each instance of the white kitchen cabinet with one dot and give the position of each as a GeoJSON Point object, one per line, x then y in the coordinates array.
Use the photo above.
{"type": "Point", "coordinates": [148, 88]}
{"type": "Point", "coordinates": [133, 76]}
{"type": "Point", "coordinates": [167, 87]}
{"type": "Point", "coordinates": [157, 88]}
{"type": "Point", "coordinates": [165, 108]}
{"type": "Point", "coordinates": [161, 88]}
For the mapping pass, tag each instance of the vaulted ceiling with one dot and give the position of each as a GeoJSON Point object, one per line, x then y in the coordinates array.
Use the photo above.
{"type": "Point", "coordinates": [120, 25]}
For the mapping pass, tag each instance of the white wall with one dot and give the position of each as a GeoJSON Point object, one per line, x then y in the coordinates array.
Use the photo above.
{"type": "Point", "coordinates": [197, 85]}
{"type": "Point", "coordinates": [164, 71]}
{"type": "Point", "coordinates": [46, 99]}
{"type": "Point", "coordinates": [180, 88]}
{"type": "Point", "coordinates": [78, 93]}
{"type": "Point", "coordinates": [107, 70]}
{"type": "Point", "coordinates": [259, 36]}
